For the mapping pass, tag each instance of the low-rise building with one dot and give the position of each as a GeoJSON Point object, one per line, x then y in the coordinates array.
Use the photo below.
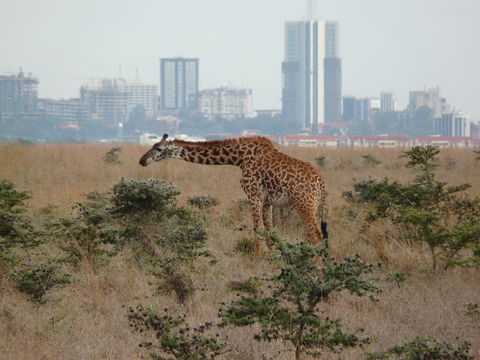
{"type": "Point", "coordinates": [312, 140]}
{"type": "Point", "coordinates": [71, 111]}
{"type": "Point", "coordinates": [443, 141]}
{"type": "Point", "coordinates": [378, 141]}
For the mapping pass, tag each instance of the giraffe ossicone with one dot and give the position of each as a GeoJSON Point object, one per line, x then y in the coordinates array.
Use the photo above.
{"type": "Point", "coordinates": [268, 177]}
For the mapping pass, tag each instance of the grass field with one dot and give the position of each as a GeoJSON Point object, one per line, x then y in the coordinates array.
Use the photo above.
{"type": "Point", "coordinates": [87, 319]}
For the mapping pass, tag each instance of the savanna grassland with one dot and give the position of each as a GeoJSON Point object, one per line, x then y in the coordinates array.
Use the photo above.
{"type": "Point", "coordinates": [86, 319]}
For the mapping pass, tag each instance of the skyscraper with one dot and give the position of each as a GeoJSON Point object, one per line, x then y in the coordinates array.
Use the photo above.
{"type": "Point", "coordinates": [311, 92]}
{"type": "Point", "coordinates": [178, 83]}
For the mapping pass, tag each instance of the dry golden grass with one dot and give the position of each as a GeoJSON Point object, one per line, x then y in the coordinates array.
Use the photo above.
{"type": "Point", "coordinates": [87, 320]}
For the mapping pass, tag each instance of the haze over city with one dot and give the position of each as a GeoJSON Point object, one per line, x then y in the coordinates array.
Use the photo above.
{"type": "Point", "coordinates": [384, 45]}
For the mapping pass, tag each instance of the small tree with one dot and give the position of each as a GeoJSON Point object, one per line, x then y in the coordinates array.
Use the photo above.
{"type": "Point", "coordinates": [112, 156]}
{"type": "Point", "coordinates": [288, 309]}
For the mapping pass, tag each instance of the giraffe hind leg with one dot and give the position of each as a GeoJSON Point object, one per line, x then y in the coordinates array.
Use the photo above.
{"type": "Point", "coordinates": [308, 215]}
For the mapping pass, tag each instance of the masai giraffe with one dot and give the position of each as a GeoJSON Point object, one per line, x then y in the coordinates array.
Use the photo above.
{"type": "Point", "coordinates": [269, 177]}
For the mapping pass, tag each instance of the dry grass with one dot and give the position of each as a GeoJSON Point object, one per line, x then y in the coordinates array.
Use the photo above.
{"type": "Point", "coordinates": [87, 320]}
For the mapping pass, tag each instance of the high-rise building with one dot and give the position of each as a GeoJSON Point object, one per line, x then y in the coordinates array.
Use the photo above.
{"type": "Point", "coordinates": [107, 99]}
{"type": "Point", "coordinates": [387, 101]}
{"type": "Point", "coordinates": [430, 98]}
{"type": "Point", "coordinates": [333, 89]}
{"type": "Point", "coordinates": [311, 92]}
{"type": "Point", "coordinates": [225, 102]}
{"type": "Point", "coordinates": [333, 73]}
{"type": "Point", "coordinates": [178, 83]}
{"type": "Point", "coordinates": [18, 94]}
{"type": "Point", "coordinates": [142, 94]}
{"type": "Point", "coordinates": [453, 124]}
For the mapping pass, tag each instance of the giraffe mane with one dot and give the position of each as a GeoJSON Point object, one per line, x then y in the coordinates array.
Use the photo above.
{"type": "Point", "coordinates": [213, 143]}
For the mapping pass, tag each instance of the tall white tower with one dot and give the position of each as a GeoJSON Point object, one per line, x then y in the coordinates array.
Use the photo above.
{"type": "Point", "coordinates": [303, 73]}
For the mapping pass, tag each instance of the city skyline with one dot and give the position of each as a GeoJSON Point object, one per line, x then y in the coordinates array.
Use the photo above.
{"type": "Point", "coordinates": [402, 45]}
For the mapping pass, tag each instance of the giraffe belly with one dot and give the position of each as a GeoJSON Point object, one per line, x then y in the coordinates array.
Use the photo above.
{"type": "Point", "coordinates": [278, 199]}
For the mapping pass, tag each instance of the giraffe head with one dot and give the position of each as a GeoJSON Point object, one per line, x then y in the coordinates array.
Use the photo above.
{"type": "Point", "coordinates": [160, 151]}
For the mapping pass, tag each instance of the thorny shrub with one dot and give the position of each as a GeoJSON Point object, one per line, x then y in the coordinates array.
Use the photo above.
{"type": "Point", "coordinates": [36, 280]}
{"type": "Point", "coordinates": [424, 348]}
{"type": "Point", "coordinates": [144, 216]}
{"type": "Point", "coordinates": [427, 210]}
{"type": "Point", "coordinates": [16, 229]}
{"type": "Point", "coordinates": [172, 338]}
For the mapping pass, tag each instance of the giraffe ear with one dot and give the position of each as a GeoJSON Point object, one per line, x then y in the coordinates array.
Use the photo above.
{"type": "Point", "coordinates": [164, 139]}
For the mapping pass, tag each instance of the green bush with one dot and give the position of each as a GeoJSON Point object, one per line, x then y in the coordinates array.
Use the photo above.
{"type": "Point", "coordinates": [141, 197]}
{"type": "Point", "coordinates": [288, 310]}
{"type": "Point", "coordinates": [36, 280]}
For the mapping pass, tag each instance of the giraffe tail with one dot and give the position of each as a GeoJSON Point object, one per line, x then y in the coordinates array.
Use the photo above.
{"type": "Point", "coordinates": [323, 216]}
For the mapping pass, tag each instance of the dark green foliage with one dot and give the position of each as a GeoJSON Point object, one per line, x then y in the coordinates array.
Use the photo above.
{"type": "Point", "coordinates": [12, 200]}
{"type": "Point", "coordinates": [140, 197]}
{"type": "Point", "coordinates": [428, 210]}
{"type": "Point", "coordinates": [425, 348]}
{"type": "Point", "coordinates": [16, 229]}
{"type": "Point", "coordinates": [203, 202]}
{"type": "Point", "coordinates": [185, 237]}
{"type": "Point", "coordinates": [35, 281]}
{"type": "Point", "coordinates": [173, 338]}
{"type": "Point", "coordinates": [472, 309]}
{"type": "Point", "coordinates": [288, 310]}
{"type": "Point", "coordinates": [112, 156]}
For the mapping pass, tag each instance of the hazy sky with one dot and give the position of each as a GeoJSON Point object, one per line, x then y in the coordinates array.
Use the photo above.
{"type": "Point", "coordinates": [397, 45]}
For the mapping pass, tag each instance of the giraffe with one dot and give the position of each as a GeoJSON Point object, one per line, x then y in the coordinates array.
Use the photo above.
{"type": "Point", "coordinates": [269, 177]}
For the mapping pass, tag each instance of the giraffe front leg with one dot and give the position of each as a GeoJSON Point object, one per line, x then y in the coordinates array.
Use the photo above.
{"type": "Point", "coordinates": [256, 208]}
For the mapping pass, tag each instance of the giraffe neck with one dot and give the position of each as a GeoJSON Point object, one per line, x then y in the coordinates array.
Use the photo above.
{"type": "Point", "coordinates": [220, 154]}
